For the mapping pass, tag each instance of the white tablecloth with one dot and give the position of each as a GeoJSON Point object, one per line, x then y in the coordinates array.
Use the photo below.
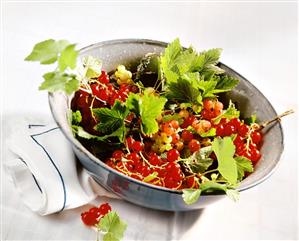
{"type": "Point", "coordinates": [259, 41]}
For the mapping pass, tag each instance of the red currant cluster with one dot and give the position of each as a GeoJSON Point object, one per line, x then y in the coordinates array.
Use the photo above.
{"type": "Point", "coordinates": [211, 109]}
{"type": "Point", "coordinates": [99, 93]}
{"type": "Point", "coordinates": [247, 141]}
{"type": "Point", "coordinates": [159, 155]}
{"type": "Point", "coordinates": [139, 164]}
{"type": "Point", "coordinates": [94, 214]}
{"type": "Point", "coordinates": [172, 138]}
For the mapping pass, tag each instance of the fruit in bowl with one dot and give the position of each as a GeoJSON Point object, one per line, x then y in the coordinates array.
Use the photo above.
{"type": "Point", "coordinates": [162, 126]}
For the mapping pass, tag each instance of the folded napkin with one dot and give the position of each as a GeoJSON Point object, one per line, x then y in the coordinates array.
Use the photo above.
{"type": "Point", "coordinates": [45, 171]}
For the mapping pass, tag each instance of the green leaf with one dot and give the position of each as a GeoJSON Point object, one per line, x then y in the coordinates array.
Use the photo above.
{"type": "Point", "coordinates": [167, 60]}
{"type": "Point", "coordinates": [226, 83]}
{"type": "Point", "coordinates": [210, 186]}
{"type": "Point", "coordinates": [227, 166]}
{"type": "Point", "coordinates": [217, 84]}
{"type": "Point", "coordinates": [55, 81]}
{"type": "Point", "coordinates": [201, 165]}
{"type": "Point", "coordinates": [233, 194]}
{"type": "Point", "coordinates": [76, 117]}
{"type": "Point", "coordinates": [250, 120]}
{"type": "Point", "coordinates": [170, 117]}
{"type": "Point", "coordinates": [191, 196]}
{"type": "Point", "coordinates": [150, 177]}
{"type": "Point", "coordinates": [199, 161]}
{"type": "Point", "coordinates": [112, 120]}
{"type": "Point", "coordinates": [149, 107]}
{"type": "Point", "coordinates": [183, 91]}
{"type": "Point", "coordinates": [187, 72]}
{"type": "Point", "coordinates": [82, 133]}
{"type": "Point", "coordinates": [230, 113]}
{"type": "Point", "coordinates": [92, 67]}
{"type": "Point", "coordinates": [109, 237]}
{"type": "Point", "coordinates": [208, 88]}
{"type": "Point", "coordinates": [113, 226]}
{"type": "Point", "coordinates": [71, 85]}
{"type": "Point", "coordinates": [46, 52]}
{"type": "Point", "coordinates": [243, 165]}
{"type": "Point", "coordinates": [132, 103]}
{"type": "Point", "coordinates": [208, 59]}
{"type": "Point", "coordinates": [68, 58]}
{"type": "Point", "coordinates": [79, 131]}
{"type": "Point", "coordinates": [209, 133]}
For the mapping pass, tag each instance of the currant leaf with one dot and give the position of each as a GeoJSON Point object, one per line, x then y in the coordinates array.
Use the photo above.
{"type": "Point", "coordinates": [113, 226]}
{"type": "Point", "coordinates": [224, 150]}
{"type": "Point", "coordinates": [46, 52]}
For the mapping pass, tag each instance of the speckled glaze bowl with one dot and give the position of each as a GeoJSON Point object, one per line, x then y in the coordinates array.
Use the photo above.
{"type": "Point", "coordinates": [247, 98]}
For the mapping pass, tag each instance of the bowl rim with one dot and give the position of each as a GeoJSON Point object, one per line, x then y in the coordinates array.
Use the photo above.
{"type": "Point", "coordinates": [97, 161]}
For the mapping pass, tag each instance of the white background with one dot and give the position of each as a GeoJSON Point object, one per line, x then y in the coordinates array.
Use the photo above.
{"type": "Point", "coordinates": [259, 41]}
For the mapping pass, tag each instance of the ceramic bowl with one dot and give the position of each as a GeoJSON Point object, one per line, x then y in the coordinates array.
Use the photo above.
{"type": "Point", "coordinates": [247, 98]}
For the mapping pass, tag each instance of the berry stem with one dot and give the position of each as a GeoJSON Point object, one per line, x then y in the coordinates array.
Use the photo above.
{"type": "Point", "coordinates": [97, 234]}
{"type": "Point", "coordinates": [277, 118]}
{"type": "Point", "coordinates": [147, 162]}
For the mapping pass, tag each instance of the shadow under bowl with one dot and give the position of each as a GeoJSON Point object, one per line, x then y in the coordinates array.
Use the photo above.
{"type": "Point", "coordinates": [247, 98]}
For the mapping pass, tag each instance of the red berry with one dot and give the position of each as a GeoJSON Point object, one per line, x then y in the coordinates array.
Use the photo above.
{"type": "Point", "coordinates": [218, 108]}
{"type": "Point", "coordinates": [130, 141]}
{"type": "Point", "coordinates": [103, 95]}
{"type": "Point", "coordinates": [256, 137]}
{"type": "Point", "coordinates": [170, 182]}
{"type": "Point", "coordinates": [208, 104]}
{"type": "Point", "coordinates": [154, 159]}
{"type": "Point", "coordinates": [110, 88]}
{"type": "Point", "coordinates": [89, 218]}
{"type": "Point", "coordinates": [137, 146]}
{"type": "Point", "coordinates": [110, 163]}
{"type": "Point", "coordinates": [243, 130]}
{"type": "Point", "coordinates": [175, 124]}
{"type": "Point", "coordinates": [134, 157]}
{"type": "Point", "coordinates": [175, 138]}
{"type": "Point", "coordinates": [103, 78]}
{"type": "Point", "coordinates": [133, 88]}
{"type": "Point", "coordinates": [188, 121]}
{"type": "Point", "coordinates": [179, 145]}
{"type": "Point", "coordinates": [95, 211]}
{"type": "Point", "coordinates": [223, 121]}
{"type": "Point", "coordinates": [247, 154]}
{"type": "Point", "coordinates": [145, 170]}
{"type": "Point", "coordinates": [173, 155]}
{"type": "Point", "coordinates": [255, 155]}
{"type": "Point", "coordinates": [238, 140]}
{"type": "Point", "coordinates": [124, 88]}
{"type": "Point", "coordinates": [187, 135]}
{"type": "Point", "coordinates": [167, 128]}
{"type": "Point", "coordinates": [229, 129]}
{"type": "Point", "coordinates": [105, 208]}
{"type": "Point", "coordinates": [95, 88]}
{"type": "Point", "coordinates": [207, 114]}
{"type": "Point", "coordinates": [235, 122]}
{"type": "Point", "coordinates": [191, 182]}
{"type": "Point", "coordinates": [220, 130]}
{"type": "Point", "coordinates": [117, 155]}
{"type": "Point", "coordinates": [130, 165]}
{"type": "Point", "coordinates": [194, 145]}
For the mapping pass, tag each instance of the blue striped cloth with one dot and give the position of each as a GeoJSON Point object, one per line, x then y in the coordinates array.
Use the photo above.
{"type": "Point", "coordinates": [45, 172]}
